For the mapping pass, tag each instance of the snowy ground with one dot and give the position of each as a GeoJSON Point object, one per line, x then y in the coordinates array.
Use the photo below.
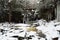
{"type": "Point", "coordinates": [41, 30]}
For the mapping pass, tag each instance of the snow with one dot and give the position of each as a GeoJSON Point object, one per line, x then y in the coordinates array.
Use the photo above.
{"type": "Point", "coordinates": [22, 25]}
{"type": "Point", "coordinates": [58, 28]}
{"type": "Point", "coordinates": [47, 28]}
{"type": "Point", "coordinates": [42, 39]}
{"type": "Point", "coordinates": [3, 37]}
{"type": "Point", "coordinates": [31, 33]}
